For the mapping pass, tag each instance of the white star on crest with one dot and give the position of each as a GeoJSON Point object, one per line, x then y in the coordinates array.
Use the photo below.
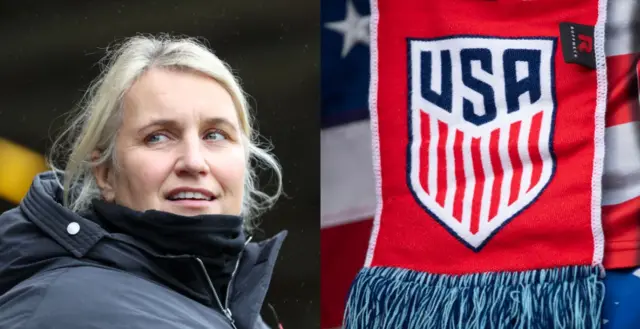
{"type": "Point", "coordinates": [354, 28]}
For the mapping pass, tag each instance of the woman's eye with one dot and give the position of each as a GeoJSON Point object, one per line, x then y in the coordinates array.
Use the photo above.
{"type": "Point", "coordinates": [216, 136]}
{"type": "Point", "coordinates": [156, 138]}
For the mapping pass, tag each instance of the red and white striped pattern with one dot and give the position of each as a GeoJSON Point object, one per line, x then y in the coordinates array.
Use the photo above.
{"type": "Point", "coordinates": [474, 179]}
{"type": "Point", "coordinates": [621, 182]}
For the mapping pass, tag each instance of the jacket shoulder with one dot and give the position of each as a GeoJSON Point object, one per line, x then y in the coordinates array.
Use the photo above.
{"type": "Point", "coordinates": [24, 250]}
{"type": "Point", "coordinates": [19, 306]}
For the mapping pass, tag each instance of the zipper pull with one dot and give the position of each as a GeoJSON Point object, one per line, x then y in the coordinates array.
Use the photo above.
{"type": "Point", "coordinates": [229, 315]}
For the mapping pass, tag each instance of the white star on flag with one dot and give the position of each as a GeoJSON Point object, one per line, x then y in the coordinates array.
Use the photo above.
{"type": "Point", "coordinates": [354, 28]}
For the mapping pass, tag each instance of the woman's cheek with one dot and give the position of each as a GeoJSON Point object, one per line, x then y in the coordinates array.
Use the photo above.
{"type": "Point", "coordinates": [229, 169]}
{"type": "Point", "coordinates": [146, 169]}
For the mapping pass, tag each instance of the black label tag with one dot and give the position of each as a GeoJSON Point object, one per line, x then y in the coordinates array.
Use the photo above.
{"type": "Point", "coordinates": [577, 44]}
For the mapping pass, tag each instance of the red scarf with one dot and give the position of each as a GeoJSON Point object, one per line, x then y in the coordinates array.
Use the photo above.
{"type": "Point", "coordinates": [488, 138]}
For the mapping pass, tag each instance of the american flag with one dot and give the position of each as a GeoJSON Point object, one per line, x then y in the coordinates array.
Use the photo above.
{"type": "Point", "coordinates": [348, 187]}
{"type": "Point", "coordinates": [347, 183]}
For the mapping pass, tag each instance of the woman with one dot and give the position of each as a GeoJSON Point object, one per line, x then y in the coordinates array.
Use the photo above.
{"type": "Point", "coordinates": [147, 225]}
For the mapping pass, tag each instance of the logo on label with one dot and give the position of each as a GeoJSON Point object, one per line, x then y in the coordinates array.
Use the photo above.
{"type": "Point", "coordinates": [481, 114]}
{"type": "Point", "coordinates": [586, 43]}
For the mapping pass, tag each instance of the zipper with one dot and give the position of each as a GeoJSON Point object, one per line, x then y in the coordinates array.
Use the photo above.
{"type": "Point", "coordinates": [225, 308]}
{"type": "Point", "coordinates": [233, 274]}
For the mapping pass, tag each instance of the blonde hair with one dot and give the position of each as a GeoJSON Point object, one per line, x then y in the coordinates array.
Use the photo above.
{"type": "Point", "coordinates": [95, 125]}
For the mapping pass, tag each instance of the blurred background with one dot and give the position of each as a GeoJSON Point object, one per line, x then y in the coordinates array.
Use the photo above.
{"type": "Point", "coordinates": [48, 58]}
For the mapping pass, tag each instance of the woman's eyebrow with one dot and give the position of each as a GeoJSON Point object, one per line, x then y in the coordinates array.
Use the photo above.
{"type": "Point", "coordinates": [219, 121]}
{"type": "Point", "coordinates": [170, 123]}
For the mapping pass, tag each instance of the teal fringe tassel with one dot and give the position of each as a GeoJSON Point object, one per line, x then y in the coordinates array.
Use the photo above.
{"type": "Point", "coordinates": [393, 298]}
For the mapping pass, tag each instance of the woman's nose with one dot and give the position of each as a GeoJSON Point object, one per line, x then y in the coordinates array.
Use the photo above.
{"type": "Point", "coordinates": [192, 159]}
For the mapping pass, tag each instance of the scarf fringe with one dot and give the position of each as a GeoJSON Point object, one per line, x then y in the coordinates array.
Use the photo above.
{"type": "Point", "coordinates": [393, 298]}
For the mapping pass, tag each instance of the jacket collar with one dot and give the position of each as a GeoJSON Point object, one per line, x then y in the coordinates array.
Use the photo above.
{"type": "Point", "coordinates": [43, 206]}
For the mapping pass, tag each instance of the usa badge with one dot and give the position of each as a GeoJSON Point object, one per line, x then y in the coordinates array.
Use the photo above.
{"type": "Point", "coordinates": [481, 114]}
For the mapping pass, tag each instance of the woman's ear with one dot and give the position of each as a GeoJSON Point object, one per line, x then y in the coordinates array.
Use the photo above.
{"type": "Point", "coordinates": [104, 178]}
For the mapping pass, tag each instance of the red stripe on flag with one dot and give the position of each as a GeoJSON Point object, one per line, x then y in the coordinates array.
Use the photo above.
{"type": "Point", "coordinates": [498, 173]}
{"type": "Point", "coordinates": [622, 102]}
{"type": "Point", "coordinates": [425, 132]}
{"type": "Point", "coordinates": [476, 200]}
{"type": "Point", "coordinates": [622, 234]}
{"type": "Point", "coordinates": [342, 253]}
{"type": "Point", "coordinates": [461, 180]}
{"type": "Point", "coordinates": [441, 190]}
{"type": "Point", "coordinates": [516, 162]}
{"type": "Point", "coordinates": [534, 150]}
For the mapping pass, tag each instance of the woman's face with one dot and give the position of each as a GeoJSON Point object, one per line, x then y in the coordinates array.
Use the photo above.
{"type": "Point", "coordinates": [178, 149]}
